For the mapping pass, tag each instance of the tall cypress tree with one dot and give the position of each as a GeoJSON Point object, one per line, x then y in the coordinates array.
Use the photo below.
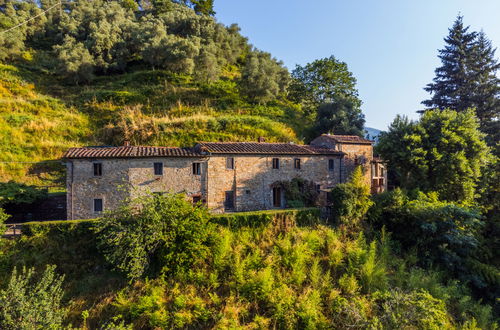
{"type": "Point", "coordinates": [467, 77]}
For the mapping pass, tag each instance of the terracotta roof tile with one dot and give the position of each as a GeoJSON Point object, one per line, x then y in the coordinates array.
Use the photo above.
{"type": "Point", "coordinates": [198, 150]}
{"type": "Point", "coordinates": [129, 152]}
{"type": "Point", "coordinates": [262, 148]}
{"type": "Point", "coordinates": [349, 139]}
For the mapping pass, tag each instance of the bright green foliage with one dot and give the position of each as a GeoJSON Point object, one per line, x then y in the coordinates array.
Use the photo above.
{"type": "Point", "coordinates": [32, 302]}
{"type": "Point", "coordinates": [323, 81]}
{"type": "Point", "coordinates": [467, 79]}
{"type": "Point", "coordinates": [351, 201]}
{"type": "Point", "coordinates": [263, 78]}
{"type": "Point", "coordinates": [205, 7]}
{"type": "Point", "coordinates": [417, 310]}
{"type": "Point", "coordinates": [327, 89]}
{"type": "Point", "coordinates": [34, 127]}
{"type": "Point", "coordinates": [3, 218]}
{"type": "Point", "coordinates": [444, 151]}
{"type": "Point", "coordinates": [312, 277]}
{"type": "Point", "coordinates": [18, 193]}
{"type": "Point", "coordinates": [340, 116]}
{"type": "Point", "coordinates": [165, 228]}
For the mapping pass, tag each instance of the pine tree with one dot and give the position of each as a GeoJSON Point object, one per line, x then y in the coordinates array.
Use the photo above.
{"type": "Point", "coordinates": [467, 78]}
{"type": "Point", "coordinates": [486, 96]}
{"type": "Point", "coordinates": [453, 82]}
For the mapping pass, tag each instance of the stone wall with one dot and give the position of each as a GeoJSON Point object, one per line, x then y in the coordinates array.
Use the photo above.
{"type": "Point", "coordinates": [252, 178]}
{"type": "Point", "coordinates": [83, 186]}
{"type": "Point", "coordinates": [124, 178]}
{"type": "Point", "coordinates": [358, 154]}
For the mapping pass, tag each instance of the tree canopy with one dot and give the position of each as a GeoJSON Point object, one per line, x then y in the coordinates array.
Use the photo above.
{"type": "Point", "coordinates": [341, 116]}
{"type": "Point", "coordinates": [323, 81]}
{"type": "Point", "coordinates": [444, 151]}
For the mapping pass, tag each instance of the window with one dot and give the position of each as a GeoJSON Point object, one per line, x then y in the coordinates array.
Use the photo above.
{"type": "Point", "coordinates": [97, 169]}
{"type": "Point", "coordinates": [98, 205]}
{"type": "Point", "coordinates": [318, 187]}
{"type": "Point", "coordinates": [230, 163]}
{"type": "Point", "coordinates": [196, 169]}
{"type": "Point", "coordinates": [248, 192]}
{"type": "Point", "coordinates": [277, 196]}
{"type": "Point", "coordinates": [276, 163]}
{"type": "Point", "coordinates": [158, 168]}
{"type": "Point", "coordinates": [229, 200]}
{"type": "Point", "coordinates": [296, 163]}
{"type": "Point", "coordinates": [331, 164]}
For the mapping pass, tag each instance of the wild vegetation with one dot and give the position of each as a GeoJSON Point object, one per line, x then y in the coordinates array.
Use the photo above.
{"type": "Point", "coordinates": [159, 72]}
{"type": "Point", "coordinates": [166, 72]}
{"type": "Point", "coordinates": [253, 275]}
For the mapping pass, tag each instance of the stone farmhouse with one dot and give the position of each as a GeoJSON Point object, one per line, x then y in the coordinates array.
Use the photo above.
{"type": "Point", "coordinates": [225, 176]}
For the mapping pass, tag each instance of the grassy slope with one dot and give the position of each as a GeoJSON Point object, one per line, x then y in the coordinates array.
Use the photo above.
{"type": "Point", "coordinates": [41, 116]}
{"type": "Point", "coordinates": [34, 127]}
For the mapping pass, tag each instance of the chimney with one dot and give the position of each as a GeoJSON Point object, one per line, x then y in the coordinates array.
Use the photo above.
{"type": "Point", "coordinates": [126, 143]}
{"type": "Point", "coordinates": [261, 139]}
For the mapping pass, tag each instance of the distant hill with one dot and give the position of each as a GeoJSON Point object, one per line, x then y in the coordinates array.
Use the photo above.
{"type": "Point", "coordinates": [372, 133]}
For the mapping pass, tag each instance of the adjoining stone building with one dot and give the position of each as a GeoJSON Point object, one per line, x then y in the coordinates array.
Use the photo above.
{"type": "Point", "coordinates": [226, 176]}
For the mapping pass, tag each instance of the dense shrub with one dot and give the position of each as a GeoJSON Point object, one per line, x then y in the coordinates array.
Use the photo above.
{"type": "Point", "coordinates": [300, 192]}
{"type": "Point", "coordinates": [440, 234]}
{"type": "Point", "coordinates": [19, 193]}
{"type": "Point", "coordinates": [3, 218]}
{"type": "Point", "coordinates": [300, 217]}
{"type": "Point", "coordinates": [165, 228]}
{"type": "Point", "coordinates": [32, 302]}
{"type": "Point", "coordinates": [414, 310]}
{"type": "Point", "coordinates": [351, 201]}
{"type": "Point", "coordinates": [59, 230]}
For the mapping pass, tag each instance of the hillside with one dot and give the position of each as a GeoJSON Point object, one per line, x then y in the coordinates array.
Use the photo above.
{"type": "Point", "coordinates": [159, 73]}
{"type": "Point", "coordinates": [41, 117]}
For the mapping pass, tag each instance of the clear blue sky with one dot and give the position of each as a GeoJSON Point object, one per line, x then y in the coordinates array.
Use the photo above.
{"type": "Point", "coordinates": [390, 45]}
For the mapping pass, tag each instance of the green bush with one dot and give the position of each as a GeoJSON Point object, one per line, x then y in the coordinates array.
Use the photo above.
{"type": "Point", "coordinates": [18, 193]}
{"type": "Point", "coordinates": [299, 217]}
{"type": "Point", "coordinates": [414, 310]}
{"type": "Point", "coordinates": [3, 218]}
{"type": "Point", "coordinates": [31, 302]}
{"type": "Point", "coordinates": [351, 201]}
{"type": "Point", "coordinates": [55, 230]}
{"type": "Point", "coordinates": [164, 228]}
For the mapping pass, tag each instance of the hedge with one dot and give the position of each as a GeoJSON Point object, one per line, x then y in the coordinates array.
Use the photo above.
{"type": "Point", "coordinates": [56, 228]}
{"type": "Point", "coordinates": [299, 217]}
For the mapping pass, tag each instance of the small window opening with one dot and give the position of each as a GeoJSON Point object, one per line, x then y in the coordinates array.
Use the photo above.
{"type": "Point", "coordinates": [97, 169]}
{"type": "Point", "coordinates": [230, 163]}
{"type": "Point", "coordinates": [296, 163]}
{"type": "Point", "coordinates": [276, 163]}
{"type": "Point", "coordinates": [98, 205]}
{"type": "Point", "coordinates": [196, 169]}
{"type": "Point", "coordinates": [158, 167]}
